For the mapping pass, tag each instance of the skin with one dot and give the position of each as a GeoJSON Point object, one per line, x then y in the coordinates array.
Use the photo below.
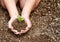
{"type": "Point", "coordinates": [27, 7]}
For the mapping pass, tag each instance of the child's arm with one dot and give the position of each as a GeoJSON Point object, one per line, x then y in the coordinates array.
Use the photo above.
{"type": "Point", "coordinates": [29, 4]}
{"type": "Point", "coordinates": [11, 7]}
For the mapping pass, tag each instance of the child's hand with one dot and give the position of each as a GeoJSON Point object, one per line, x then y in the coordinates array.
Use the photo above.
{"type": "Point", "coordinates": [10, 22]}
{"type": "Point", "coordinates": [27, 21]}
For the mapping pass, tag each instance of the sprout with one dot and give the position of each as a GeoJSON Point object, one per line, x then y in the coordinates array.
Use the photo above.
{"type": "Point", "coordinates": [20, 19]}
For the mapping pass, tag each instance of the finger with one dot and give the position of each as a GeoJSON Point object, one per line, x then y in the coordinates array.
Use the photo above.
{"type": "Point", "coordinates": [24, 31]}
{"type": "Point", "coordinates": [10, 24]}
{"type": "Point", "coordinates": [27, 28]}
{"type": "Point", "coordinates": [28, 22]}
{"type": "Point", "coordinates": [15, 31]}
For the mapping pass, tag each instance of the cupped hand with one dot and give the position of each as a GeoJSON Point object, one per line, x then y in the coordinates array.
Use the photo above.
{"type": "Point", "coordinates": [10, 22]}
{"type": "Point", "coordinates": [27, 21]}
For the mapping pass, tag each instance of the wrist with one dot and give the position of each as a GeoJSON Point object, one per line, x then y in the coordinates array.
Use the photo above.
{"type": "Point", "coordinates": [14, 16]}
{"type": "Point", "coordinates": [25, 16]}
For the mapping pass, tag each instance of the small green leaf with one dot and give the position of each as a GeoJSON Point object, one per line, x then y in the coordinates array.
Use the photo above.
{"type": "Point", "coordinates": [20, 19]}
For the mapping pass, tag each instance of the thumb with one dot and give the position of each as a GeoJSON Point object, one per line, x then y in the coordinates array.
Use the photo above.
{"type": "Point", "coordinates": [28, 22]}
{"type": "Point", "coordinates": [10, 22]}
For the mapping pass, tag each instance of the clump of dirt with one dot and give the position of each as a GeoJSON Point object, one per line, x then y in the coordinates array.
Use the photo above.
{"type": "Point", "coordinates": [19, 25]}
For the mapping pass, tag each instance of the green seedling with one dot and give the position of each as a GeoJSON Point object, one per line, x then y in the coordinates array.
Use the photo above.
{"type": "Point", "coordinates": [20, 19]}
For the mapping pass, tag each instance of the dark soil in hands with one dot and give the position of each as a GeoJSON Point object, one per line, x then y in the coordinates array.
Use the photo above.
{"type": "Point", "coordinates": [19, 25]}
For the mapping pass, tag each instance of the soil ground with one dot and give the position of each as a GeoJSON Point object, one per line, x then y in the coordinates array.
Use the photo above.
{"type": "Point", "coordinates": [45, 20]}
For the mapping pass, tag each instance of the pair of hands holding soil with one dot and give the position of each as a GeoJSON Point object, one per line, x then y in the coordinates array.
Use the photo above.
{"type": "Point", "coordinates": [27, 7]}
{"type": "Point", "coordinates": [20, 19]}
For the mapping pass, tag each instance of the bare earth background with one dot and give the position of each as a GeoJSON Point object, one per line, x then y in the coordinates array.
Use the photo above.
{"type": "Point", "coordinates": [45, 20]}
